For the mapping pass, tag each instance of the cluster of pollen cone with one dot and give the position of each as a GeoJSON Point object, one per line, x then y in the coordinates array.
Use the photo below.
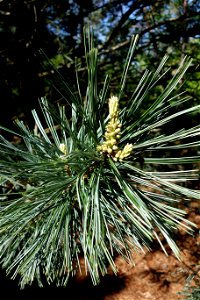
{"type": "Point", "coordinates": [113, 134]}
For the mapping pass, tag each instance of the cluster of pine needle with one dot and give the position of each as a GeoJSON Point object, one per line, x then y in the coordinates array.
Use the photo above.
{"type": "Point", "coordinates": [81, 191]}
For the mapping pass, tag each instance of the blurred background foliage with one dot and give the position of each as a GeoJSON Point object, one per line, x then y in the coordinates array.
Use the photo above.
{"type": "Point", "coordinates": [55, 28]}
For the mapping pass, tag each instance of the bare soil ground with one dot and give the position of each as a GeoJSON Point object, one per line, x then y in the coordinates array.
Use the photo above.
{"type": "Point", "coordinates": [155, 276]}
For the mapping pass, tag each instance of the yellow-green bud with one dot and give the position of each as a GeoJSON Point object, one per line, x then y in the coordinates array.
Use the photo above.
{"type": "Point", "coordinates": [114, 147]}
{"type": "Point", "coordinates": [109, 150]}
{"type": "Point", "coordinates": [104, 148]}
{"type": "Point", "coordinates": [118, 153]}
{"type": "Point", "coordinates": [113, 134]}
{"type": "Point", "coordinates": [117, 130]}
{"type": "Point", "coordinates": [113, 141]}
{"type": "Point", "coordinates": [99, 148]}
{"type": "Point", "coordinates": [126, 151]}
{"type": "Point", "coordinates": [63, 148]}
{"type": "Point", "coordinates": [113, 106]}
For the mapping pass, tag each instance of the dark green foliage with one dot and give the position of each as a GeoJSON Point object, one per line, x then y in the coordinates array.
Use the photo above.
{"type": "Point", "coordinates": [68, 200]}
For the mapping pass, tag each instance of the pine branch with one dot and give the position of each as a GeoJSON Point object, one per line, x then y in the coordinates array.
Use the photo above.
{"type": "Point", "coordinates": [91, 185]}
